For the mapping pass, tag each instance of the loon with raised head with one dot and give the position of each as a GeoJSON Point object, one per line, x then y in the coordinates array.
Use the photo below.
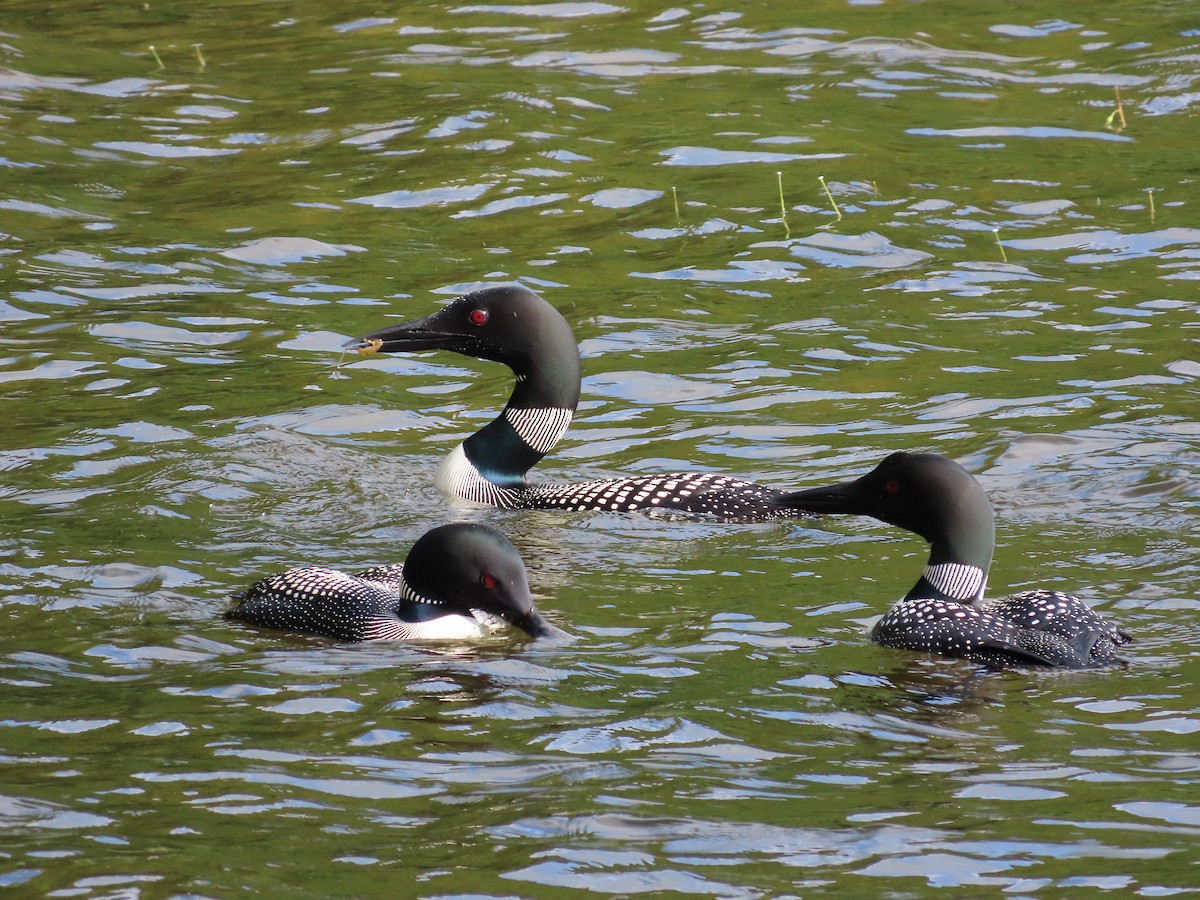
{"type": "Point", "coordinates": [513, 325]}
{"type": "Point", "coordinates": [945, 611]}
{"type": "Point", "coordinates": [459, 582]}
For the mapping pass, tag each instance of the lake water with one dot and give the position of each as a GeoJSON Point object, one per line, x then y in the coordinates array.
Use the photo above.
{"type": "Point", "coordinates": [1009, 278]}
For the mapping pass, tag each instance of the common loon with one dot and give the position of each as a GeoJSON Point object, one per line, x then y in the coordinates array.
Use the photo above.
{"type": "Point", "coordinates": [512, 325]}
{"type": "Point", "coordinates": [458, 582]}
{"type": "Point", "coordinates": [945, 611]}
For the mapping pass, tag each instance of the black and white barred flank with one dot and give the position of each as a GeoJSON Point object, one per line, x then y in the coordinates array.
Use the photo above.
{"type": "Point", "coordinates": [691, 494]}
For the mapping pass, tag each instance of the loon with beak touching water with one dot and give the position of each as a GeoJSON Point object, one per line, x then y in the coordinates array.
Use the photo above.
{"type": "Point", "coordinates": [459, 582]}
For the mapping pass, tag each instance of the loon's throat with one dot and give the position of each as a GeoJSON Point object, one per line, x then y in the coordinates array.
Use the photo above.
{"type": "Point", "coordinates": [960, 557]}
{"type": "Point", "coordinates": [514, 442]}
{"type": "Point", "coordinates": [459, 477]}
{"type": "Point", "coordinates": [540, 428]}
{"type": "Point", "coordinates": [534, 419]}
{"type": "Point", "coordinates": [552, 381]}
{"type": "Point", "coordinates": [959, 582]}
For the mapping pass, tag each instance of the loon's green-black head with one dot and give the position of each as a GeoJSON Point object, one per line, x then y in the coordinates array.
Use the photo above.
{"type": "Point", "coordinates": [471, 566]}
{"type": "Point", "coordinates": [921, 492]}
{"type": "Point", "coordinates": [508, 324]}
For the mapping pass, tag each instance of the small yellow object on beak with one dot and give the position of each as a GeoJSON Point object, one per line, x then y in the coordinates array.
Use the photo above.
{"type": "Point", "coordinates": [369, 347]}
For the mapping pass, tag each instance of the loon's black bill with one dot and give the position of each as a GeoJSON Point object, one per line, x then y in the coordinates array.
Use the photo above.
{"type": "Point", "coordinates": [363, 345]}
{"type": "Point", "coordinates": [835, 498]}
{"type": "Point", "coordinates": [538, 628]}
{"type": "Point", "coordinates": [402, 338]}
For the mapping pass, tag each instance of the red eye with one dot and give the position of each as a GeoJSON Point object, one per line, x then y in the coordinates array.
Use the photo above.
{"type": "Point", "coordinates": [478, 316]}
{"type": "Point", "coordinates": [488, 581]}
{"type": "Point", "coordinates": [892, 486]}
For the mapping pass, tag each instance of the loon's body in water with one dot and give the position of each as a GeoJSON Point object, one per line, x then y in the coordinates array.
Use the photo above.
{"type": "Point", "coordinates": [514, 326]}
{"type": "Point", "coordinates": [945, 611]}
{"type": "Point", "coordinates": [459, 582]}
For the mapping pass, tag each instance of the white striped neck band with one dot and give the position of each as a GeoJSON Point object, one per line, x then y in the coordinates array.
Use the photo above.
{"type": "Point", "coordinates": [541, 428]}
{"type": "Point", "coordinates": [958, 581]}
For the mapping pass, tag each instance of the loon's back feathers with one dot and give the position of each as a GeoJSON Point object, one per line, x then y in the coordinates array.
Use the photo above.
{"type": "Point", "coordinates": [1055, 612]}
{"type": "Point", "coordinates": [515, 326]}
{"type": "Point", "coordinates": [390, 576]}
{"type": "Point", "coordinates": [986, 633]}
{"type": "Point", "coordinates": [459, 582]}
{"type": "Point", "coordinates": [945, 611]}
{"type": "Point", "coordinates": [693, 494]}
{"type": "Point", "coordinates": [366, 606]}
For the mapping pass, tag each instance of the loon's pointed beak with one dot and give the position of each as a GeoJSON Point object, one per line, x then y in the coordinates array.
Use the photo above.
{"type": "Point", "coordinates": [846, 498]}
{"type": "Point", "coordinates": [421, 334]}
{"type": "Point", "coordinates": [536, 626]}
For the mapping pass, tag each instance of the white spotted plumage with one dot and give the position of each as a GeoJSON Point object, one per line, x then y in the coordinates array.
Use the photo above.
{"type": "Point", "coordinates": [1055, 612]}
{"type": "Point", "coordinates": [1053, 627]}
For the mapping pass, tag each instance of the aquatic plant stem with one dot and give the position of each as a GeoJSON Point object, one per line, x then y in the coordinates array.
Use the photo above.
{"type": "Point", "coordinates": [157, 58]}
{"type": "Point", "coordinates": [828, 194]}
{"type": "Point", "coordinates": [1003, 255]}
{"type": "Point", "coordinates": [200, 57]}
{"type": "Point", "coordinates": [783, 206]}
{"type": "Point", "coordinates": [675, 198]}
{"type": "Point", "coordinates": [1118, 113]}
{"type": "Point", "coordinates": [1152, 210]}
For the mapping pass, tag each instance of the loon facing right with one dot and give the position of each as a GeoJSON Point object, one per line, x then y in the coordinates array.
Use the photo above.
{"type": "Point", "coordinates": [459, 582]}
{"type": "Point", "coordinates": [945, 611]}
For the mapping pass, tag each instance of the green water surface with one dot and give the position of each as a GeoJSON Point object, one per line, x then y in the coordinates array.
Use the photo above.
{"type": "Point", "coordinates": [1008, 277]}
